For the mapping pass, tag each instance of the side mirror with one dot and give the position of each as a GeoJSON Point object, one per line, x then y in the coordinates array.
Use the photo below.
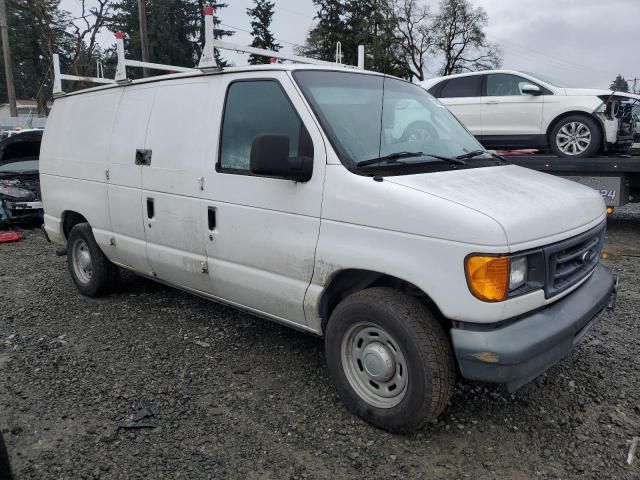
{"type": "Point", "coordinates": [530, 89]}
{"type": "Point", "coordinates": [270, 157]}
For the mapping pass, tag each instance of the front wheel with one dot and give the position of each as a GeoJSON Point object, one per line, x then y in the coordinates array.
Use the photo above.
{"type": "Point", "coordinates": [390, 359]}
{"type": "Point", "coordinates": [576, 136]}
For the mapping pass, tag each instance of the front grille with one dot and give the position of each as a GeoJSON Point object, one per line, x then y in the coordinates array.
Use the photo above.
{"type": "Point", "coordinates": [570, 261]}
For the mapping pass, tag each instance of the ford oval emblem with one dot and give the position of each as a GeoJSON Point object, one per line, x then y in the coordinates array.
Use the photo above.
{"type": "Point", "coordinates": [587, 256]}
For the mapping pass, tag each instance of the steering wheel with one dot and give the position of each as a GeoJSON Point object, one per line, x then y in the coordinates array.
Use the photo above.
{"type": "Point", "coordinates": [418, 131]}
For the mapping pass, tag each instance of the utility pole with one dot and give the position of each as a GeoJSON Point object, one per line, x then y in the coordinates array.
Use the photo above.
{"type": "Point", "coordinates": [8, 68]}
{"type": "Point", "coordinates": [144, 41]}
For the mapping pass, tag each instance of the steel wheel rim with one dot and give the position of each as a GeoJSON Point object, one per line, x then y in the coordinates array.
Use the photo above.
{"type": "Point", "coordinates": [573, 138]}
{"type": "Point", "coordinates": [82, 261]}
{"type": "Point", "coordinates": [374, 365]}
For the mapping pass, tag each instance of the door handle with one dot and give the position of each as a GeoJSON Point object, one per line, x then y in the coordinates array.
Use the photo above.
{"type": "Point", "coordinates": [211, 218]}
{"type": "Point", "coordinates": [150, 208]}
{"type": "Point", "coordinates": [491, 102]}
{"type": "Point", "coordinates": [143, 157]}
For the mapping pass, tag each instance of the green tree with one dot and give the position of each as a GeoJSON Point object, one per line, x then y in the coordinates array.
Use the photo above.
{"type": "Point", "coordinates": [37, 30]}
{"type": "Point", "coordinates": [262, 14]}
{"type": "Point", "coordinates": [372, 23]}
{"type": "Point", "coordinates": [358, 22]}
{"type": "Point", "coordinates": [330, 29]}
{"type": "Point", "coordinates": [619, 84]}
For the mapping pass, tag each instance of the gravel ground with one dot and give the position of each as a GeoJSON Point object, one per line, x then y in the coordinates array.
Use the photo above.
{"type": "Point", "coordinates": [222, 394]}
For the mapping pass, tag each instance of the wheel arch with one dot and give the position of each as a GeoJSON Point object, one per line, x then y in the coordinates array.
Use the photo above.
{"type": "Point", "coordinates": [70, 219]}
{"type": "Point", "coordinates": [348, 281]}
{"type": "Point", "coordinates": [582, 113]}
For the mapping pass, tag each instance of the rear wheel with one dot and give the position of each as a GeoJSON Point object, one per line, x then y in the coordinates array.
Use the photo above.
{"type": "Point", "coordinates": [91, 271]}
{"type": "Point", "coordinates": [575, 136]}
{"type": "Point", "coordinates": [390, 359]}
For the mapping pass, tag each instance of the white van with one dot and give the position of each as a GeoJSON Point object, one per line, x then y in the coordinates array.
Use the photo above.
{"type": "Point", "coordinates": [344, 203]}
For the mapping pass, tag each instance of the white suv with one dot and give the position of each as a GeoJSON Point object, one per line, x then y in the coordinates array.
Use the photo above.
{"type": "Point", "coordinates": [510, 109]}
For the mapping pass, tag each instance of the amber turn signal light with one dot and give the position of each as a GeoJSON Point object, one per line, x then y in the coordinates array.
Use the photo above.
{"type": "Point", "coordinates": [488, 277]}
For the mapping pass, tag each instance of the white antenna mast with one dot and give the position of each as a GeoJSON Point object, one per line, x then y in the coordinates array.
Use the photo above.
{"type": "Point", "coordinates": [208, 58]}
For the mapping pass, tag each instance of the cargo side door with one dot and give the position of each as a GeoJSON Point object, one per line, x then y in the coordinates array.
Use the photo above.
{"type": "Point", "coordinates": [173, 182]}
{"type": "Point", "coordinates": [125, 178]}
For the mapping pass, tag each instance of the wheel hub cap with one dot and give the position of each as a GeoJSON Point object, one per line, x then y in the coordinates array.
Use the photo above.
{"type": "Point", "coordinates": [573, 138]}
{"type": "Point", "coordinates": [378, 362]}
{"type": "Point", "coordinates": [374, 365]}
{"type": "Point", "coordinates": [82, 264]}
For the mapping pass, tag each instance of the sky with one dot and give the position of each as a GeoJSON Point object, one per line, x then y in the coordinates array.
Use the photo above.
{"type": "Point", "coordinates": [582, 43]}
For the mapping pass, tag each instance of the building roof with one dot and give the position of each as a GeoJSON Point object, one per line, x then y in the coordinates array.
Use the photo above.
{"type": "Point", "coordinates": [25, 103]}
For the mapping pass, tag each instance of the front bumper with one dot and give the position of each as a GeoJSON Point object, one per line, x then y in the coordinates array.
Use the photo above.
{"type": "Point", "coordinates": [520, 351]}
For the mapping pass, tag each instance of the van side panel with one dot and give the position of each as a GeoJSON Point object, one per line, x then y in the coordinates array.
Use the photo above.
{"type": "Point", "coordinates": [72, 169]}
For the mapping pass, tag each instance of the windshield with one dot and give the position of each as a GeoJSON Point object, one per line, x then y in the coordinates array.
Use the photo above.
{"type": "Point", "coordinates": [25, 166]}
{"type": "Point", "coordinates": [371, 116]}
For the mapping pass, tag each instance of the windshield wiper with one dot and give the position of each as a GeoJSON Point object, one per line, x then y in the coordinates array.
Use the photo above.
{"type": "Point", "coordinates": [470, 155]}
{"type": "Point", "coordinates": [477, 153]}
{"type": "Point", "coordinates": [393, 157]}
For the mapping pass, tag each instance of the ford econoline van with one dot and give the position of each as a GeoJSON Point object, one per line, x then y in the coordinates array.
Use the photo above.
{"type": "Point", "coordinates": [348, 204]}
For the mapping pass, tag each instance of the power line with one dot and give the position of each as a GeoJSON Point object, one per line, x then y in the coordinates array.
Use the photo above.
{"type": "Point", "coordinates": [550, 60]}
{"type": "Point", "coordinates": [249, 32]}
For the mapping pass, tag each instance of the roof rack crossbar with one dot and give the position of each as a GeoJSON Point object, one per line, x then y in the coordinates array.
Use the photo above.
{"type": "Point", "coordinates": [207, 60]}
{"type": "Point", "coordinates": [273, 54]}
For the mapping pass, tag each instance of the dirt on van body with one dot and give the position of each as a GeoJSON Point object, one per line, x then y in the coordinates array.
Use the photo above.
{"type": "Point", "coordinates": [154, 383]}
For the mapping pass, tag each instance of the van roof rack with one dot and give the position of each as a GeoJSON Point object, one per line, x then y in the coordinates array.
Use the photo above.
{"type": "Point", "coordinates": [206, 64]}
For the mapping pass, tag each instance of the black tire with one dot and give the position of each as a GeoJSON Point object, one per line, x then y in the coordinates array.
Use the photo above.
{"type": "Point", "coordinates": [104, 274]}
{"type": "Point", "coordinates": [423, 343]}
{"type": "Point", "coordinates": [5, 469]}
{"type": "Point", "coordinates": [590, 123]}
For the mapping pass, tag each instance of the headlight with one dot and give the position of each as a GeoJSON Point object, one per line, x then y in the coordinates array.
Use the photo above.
{"type": "Point", "coordinates": [518, 272]}
{"type": "Point", "coordinates": [491, 278]}
{"type": "Point", "coordinates": [16, 193]}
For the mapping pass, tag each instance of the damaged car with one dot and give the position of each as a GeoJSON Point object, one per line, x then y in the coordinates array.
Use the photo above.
{"type": "Point", "coordinates": [20, 200]}
{"type": "Point", "coordinates": [507, 109]}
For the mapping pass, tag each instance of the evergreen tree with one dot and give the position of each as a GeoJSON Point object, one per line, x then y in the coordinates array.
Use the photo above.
{"type": "Point", "coordinates": [175, 30]}
{"type": "Point", "coordinates": [619, 84]}
{"type": "Point", "coordinates": [330, 29]}
{"type": "Point", "coordinates": [358, 22]}
{"type": "Point", "coordinates": [372, 23]}
{"type": "Point", "coordinates": [36, 32]}
{"type": "Point", "coordinates": [262, 14]}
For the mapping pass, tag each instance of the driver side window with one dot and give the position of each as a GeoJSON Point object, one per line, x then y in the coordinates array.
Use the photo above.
{"type": "Point", "coordinates": [254, 108]}
{"type": "Point", "coordinates": [505, 85]}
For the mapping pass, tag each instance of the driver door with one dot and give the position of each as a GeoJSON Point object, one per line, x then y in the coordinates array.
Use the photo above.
{"type": "Point", "coordinates": [262, 230]}
{"type": "Point", "coordinates": [509, 116]}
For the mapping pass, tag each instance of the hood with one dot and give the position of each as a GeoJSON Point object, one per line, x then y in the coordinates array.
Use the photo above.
{"type": "Point", "coordinates": [603, 94]}
{"type": "Point", "coordinates": [528, 205]}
